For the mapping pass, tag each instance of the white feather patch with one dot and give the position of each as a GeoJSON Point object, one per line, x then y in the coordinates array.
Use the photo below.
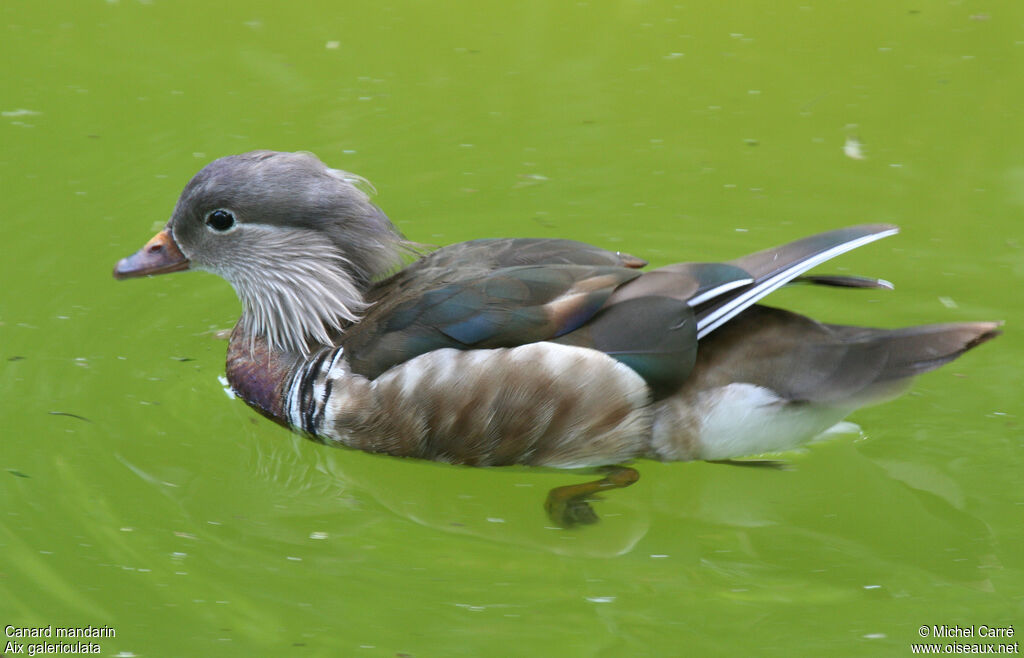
{"type": "Point", "coordinates": [743, 419]}
{"type": "Point", "coordinates": [295, 288]}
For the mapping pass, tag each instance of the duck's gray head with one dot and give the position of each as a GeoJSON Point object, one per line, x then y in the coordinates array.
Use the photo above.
{"type": "Point", "coordinates": [299, 241]}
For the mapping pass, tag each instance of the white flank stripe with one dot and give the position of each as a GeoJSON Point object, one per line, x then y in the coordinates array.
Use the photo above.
{"type": "Point", "coordinates": [293, 411]}
{"type": "Point", "coordinates": [334, 361]}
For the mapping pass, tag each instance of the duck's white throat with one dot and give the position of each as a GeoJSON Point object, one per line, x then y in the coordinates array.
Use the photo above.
{"type": "Point", "coordinates": [296, 289]}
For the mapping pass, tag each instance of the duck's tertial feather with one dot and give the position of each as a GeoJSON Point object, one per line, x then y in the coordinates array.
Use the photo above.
{"type": "Point", "coordinates": [774, 268]}
{"type": "Point", "coordinates": [844, 281]}
{"type": "Point", "coordinates": [693, 283]}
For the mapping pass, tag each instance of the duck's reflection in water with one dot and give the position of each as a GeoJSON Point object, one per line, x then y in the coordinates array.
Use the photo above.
{"type": "Point", "coordinates": [826, 511]}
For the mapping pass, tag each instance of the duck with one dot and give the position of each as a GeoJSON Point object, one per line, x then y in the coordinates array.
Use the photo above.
{"type": "Point", "coordinates": [533, 351]}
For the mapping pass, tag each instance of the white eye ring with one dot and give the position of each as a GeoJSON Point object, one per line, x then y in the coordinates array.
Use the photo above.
{"type": "Point", "coordinates": [221, 220]}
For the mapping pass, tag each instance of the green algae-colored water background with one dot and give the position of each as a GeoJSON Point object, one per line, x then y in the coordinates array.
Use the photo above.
{"type": "Point", "coordinates": [135, 495]}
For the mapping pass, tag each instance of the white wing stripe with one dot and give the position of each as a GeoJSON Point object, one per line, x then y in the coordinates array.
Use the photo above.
{"type": "Point", "coordinates": [730, 310]}
{"type": "Point", "coordinates": [716, 291]}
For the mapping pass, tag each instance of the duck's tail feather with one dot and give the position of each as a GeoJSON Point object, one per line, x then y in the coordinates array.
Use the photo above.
{"type": "Point", "coordinates": [801, 360]}
{"type": "Point", "coordinates": [915, 350]}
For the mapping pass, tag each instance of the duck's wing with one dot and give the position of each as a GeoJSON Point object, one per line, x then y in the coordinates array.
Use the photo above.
{"type": "Point", "coordinates": [492, 292]}
{"type": "Point", "coordinates": [481, 295]}
{"type": "Point", "coordinates": [472, 309]}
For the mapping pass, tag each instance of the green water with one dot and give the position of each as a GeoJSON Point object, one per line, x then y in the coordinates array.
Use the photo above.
{"type": "Point", "coordinates": [135, 494]}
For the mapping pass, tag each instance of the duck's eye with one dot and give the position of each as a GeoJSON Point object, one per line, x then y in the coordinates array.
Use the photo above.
{"type": "Point", "coordinates": [220, 220]}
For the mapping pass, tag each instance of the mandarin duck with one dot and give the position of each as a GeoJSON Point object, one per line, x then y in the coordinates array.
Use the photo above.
{"type": "Point", "coordinates": [544, 352]}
